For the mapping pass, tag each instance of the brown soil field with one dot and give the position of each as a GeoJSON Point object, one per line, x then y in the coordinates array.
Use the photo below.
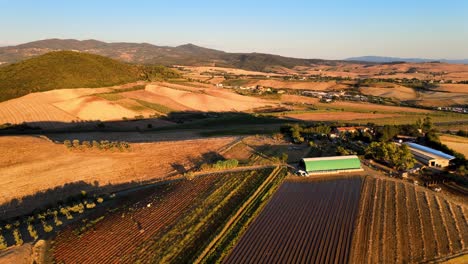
{"type": "Point", "coordinates": [31, 165]}
{"type": "Point", "coordinates": [453, 88]}
{"type": "Point", "coordinates": [206, 99]}
{"type": "Point", "coordinates": [54, 109]}
{"type": "Point", "coordinates": [219, 70]}
{"type": "Point", "coordinates": [395, 91]}
{"type": "Point", "coordinates": [424, 71]}
{"type": "Point", "coordinates": [290, 98]}
{"type": "Point", "coordinates": [304, 222]}
{"type": "Point", "coordinates": [257, 150]}
{"type": "Point", "coordinates": [402, 223]}
{"type": "Point", "coordinates": [335, 116]}
{"type": "Point", "coordinates": [375, 107]}
{"type": "Point", "coordinates": [169, 223]}
{"type": "Point", "coordinates": [432, 99]}
{"type": "Point", "coordinates": [95, 108]}
{"type": "Point", "coordinates": [304, 85]}
{"type": "Point", "coordinates": [459, 144]}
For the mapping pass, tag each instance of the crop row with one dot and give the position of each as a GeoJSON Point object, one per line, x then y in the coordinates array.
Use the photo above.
{"type": "Point", "coordinates": [309, 222]}
{"type": "Point", "coordinates": [407, 224]}
{"type": "Point", "coordinates": [171, 224]}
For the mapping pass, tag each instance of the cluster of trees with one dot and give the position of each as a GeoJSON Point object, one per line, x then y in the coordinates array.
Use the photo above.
{"type": "Point", "coordinates": [103, 144]}
{"type": "Point", "coordinates": [47, 219]}
{"type": "Point", "coordinates": [396, 156]}
{"type": "Point", "coordinates": [462, 133]}
{"type": "Point", "coordinates": [220, 165]}
{"type": "Point", "coordinates": [301, 132]}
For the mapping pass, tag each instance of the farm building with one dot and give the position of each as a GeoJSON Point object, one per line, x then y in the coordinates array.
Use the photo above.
{"type": "Point", "coordinates": [430, 157]}
{"type": "Point", "coordinates": [335, 164]}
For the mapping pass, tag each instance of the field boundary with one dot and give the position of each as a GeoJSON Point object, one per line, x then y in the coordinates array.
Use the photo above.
{"type": "Point", "coordinates": [240, 212]}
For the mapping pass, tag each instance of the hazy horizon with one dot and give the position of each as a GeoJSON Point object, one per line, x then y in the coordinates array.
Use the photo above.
{"type": "Point", "coordinates": [304, 29]}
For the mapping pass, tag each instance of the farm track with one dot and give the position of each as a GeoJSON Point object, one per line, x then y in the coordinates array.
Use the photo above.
{"type": "Point", "coordinates": [402, 223]}
{"type": "Point", "coordinates": [304, 222]}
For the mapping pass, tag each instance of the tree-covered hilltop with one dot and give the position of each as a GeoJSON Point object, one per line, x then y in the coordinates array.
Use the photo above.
{"type": "Point", "coordinates": [69, 69]}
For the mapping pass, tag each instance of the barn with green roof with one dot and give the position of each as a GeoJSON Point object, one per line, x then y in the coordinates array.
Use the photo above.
{"type": "Point", "coordinates": [335, 164]}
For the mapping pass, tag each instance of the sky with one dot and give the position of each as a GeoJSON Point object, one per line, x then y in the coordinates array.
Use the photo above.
{"type": "Point", "coordinates": [332, 29]}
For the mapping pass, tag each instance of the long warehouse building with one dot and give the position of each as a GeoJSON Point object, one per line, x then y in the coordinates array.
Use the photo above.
{"type": "Point", "coordinates": [430, 157]}
{"type": "Point", "coordinates": [328, 165]}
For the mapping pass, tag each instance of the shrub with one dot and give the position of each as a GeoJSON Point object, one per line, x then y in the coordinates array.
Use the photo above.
{"type": "Point", "coordinates": [17, 236]}
{"type": "Point", "coordinates": [77, 208]}
{"type": "Point", "coordinates": [32, 231]}
{"type": "Point", "coordinates": [3, 243]}
{"type": "Point", "coordinates": [96, 144]}
{"type": "Point", "coordinates": [56, 220]}
{"type": "Point", "coordinates": [87, 144]}
{"type": "Point", "coordinates": [47, 228]}
{"type": "Point", "coordinates": [76, 143]}
{"type": "Point", "coordinates": [66, 213]}
{"type": "Point", "coordinates": [67, 143]}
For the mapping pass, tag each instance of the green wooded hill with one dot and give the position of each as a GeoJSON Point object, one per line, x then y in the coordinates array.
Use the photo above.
{"type": "Point", "coordinates": [69, 69]}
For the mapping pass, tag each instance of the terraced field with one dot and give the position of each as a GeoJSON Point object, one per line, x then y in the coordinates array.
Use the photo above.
{"type": "Point", "coordinates": [305, 221]}
{"type": "Point", "coordinates": [402, 223]}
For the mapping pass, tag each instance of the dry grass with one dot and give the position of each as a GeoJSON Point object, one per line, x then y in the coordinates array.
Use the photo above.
{"type": "Point", "coordinates": [337, 116]}
{"type": "Point", "coordinates": [395, 91]}
{"type": "Point", "coordinates": [459, 144]}
{"type": "Point", "coordinates": [31, 164]}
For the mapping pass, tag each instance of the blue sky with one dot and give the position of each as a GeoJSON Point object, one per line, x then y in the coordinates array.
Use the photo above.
{"type": "Point", "coordinates": [331, 29]}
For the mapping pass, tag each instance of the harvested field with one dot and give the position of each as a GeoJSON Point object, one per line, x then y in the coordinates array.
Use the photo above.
{"type": "Point", "coordinates": [305, 221]}
{"type": "Point", "coordinates": [304, 85]}
{"type": "Point", "coordinates": [208, 99]}
{"type": "Point", "coordinates": [31, 165]}
{"type": "Point", "coordinates": [459, 144]}
{"type": "Point", "coordinates": [367, 107]}
{"type": "Point", "coordinates": [95, 108]}
{"type": "Point", "coordinates": [401, 223]}
{"type": "Point", "coordinates": [289, 98]}
{"type": "Point", "coordinates": [178, 224]}
{"type": "Point", "coordinates": [335, 116]}
{"type": "Point", "coordinates": [58, 108]}
{"type": "Point", "coordinates": [396, 91]}
{"type": "Point", "coordinates": [53, 109]}
{"type": "Point", "coordinates": [453, 88]}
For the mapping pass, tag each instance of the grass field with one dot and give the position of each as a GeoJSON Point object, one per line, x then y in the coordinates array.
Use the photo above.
{"type": "Point", "coordinates": [459, 144]}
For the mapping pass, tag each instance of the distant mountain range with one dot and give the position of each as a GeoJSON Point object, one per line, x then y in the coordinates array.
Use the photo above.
{"type": "Point", "coordinates": [144, 53]}
{"type": "Point", "coordinates": [379, 59]}
{"type": "Point", "coordinates": [188, 54]}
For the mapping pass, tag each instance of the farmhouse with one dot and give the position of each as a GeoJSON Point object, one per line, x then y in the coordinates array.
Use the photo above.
{"type": "Point", "coordinates": [430, 157]}
{"type": "Point", "coordinates": [327, 165]}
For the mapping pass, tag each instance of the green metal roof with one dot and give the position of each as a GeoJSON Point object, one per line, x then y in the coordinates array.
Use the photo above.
{"type": "Point", "coordinates": [332, 163]}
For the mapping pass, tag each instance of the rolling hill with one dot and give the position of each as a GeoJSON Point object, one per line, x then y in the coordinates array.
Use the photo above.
{"type": "Point", "coordinates": [144, 53]}
{"type": "Point", "coordinates": [68, 69]}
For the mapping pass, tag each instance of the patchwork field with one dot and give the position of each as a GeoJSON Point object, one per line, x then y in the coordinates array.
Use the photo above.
{"type": "Point", "coordinates": [459, 144]}
{"type": "Point", "coordinates": [402, 223]}
{"type": "Point", "coordinates": [172, 223]}
{"type": "Point", "coordinates": [305, 221]}
{"type": "Point", "coordinates": [31, 165]}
